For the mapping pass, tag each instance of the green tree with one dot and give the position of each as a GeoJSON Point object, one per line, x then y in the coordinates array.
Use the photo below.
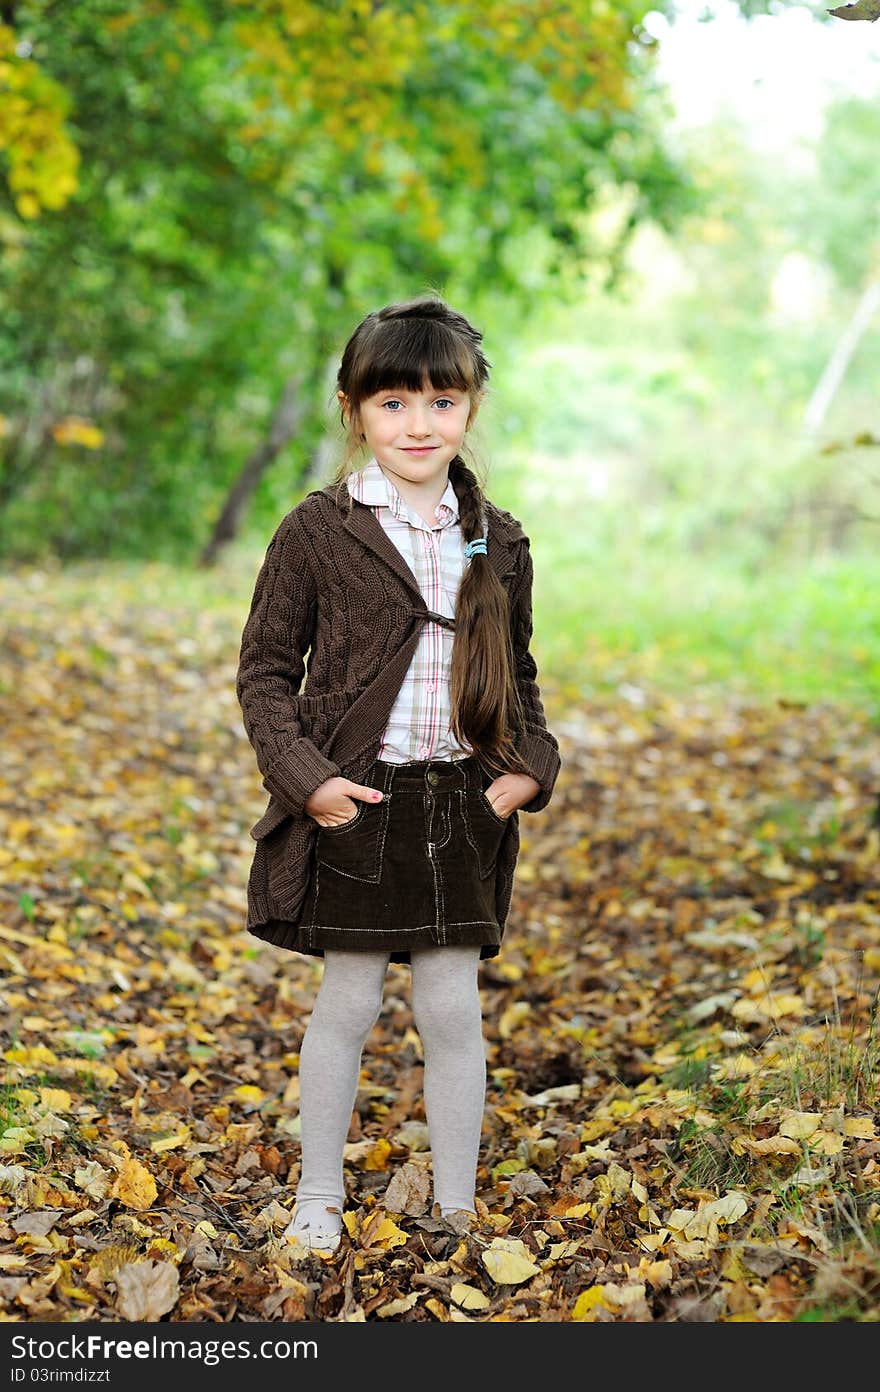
{"type": "Point", "coordinates": [247, 180]}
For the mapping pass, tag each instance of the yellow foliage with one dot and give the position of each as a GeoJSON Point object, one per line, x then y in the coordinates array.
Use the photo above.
{"type": "Point", "coordinates": [247, 1093]}
{"type": "Point", "coordinates": [41, 156]}
{"type": "Point", "coordinates": [509, 1261]}
{"type": "Point", "coordinates": [588, 1302]}
{"type": "Point", "coordinates": [377, 1157]}
{"type": "Point", "coordinates": [73, 430]}
{"type": "Point", "coordinates": [861, 1127]}
{"type": "Point", "coordinates": [468, 1297]}
{"type": "Point", "coordinates": [134, 1185]}
{"type": "Point", "coordinates": [380, 1231]}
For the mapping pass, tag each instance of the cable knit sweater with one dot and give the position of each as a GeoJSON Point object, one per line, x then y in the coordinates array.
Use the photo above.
{"type": "Point", "coordinates": [334, 587]}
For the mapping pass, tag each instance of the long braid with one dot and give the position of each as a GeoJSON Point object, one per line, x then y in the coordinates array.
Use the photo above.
{"type": "Point", "coordinates": [485, 702]}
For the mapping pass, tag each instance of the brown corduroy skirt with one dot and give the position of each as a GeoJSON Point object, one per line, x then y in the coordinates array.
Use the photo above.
{"type": "Point", "coordinates": [414, 870]}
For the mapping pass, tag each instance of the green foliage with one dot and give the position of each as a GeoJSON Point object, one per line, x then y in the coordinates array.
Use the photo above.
{"type": "Point", "coordinates": [252, 179]}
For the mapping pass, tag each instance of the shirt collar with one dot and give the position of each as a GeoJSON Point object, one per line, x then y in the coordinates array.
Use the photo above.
{"type": "Point", "coordinates": [372, 485]}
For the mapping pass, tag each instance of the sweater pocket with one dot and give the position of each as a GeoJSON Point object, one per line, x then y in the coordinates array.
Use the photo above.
{"type": "Point", "coordinates": [319, 714]}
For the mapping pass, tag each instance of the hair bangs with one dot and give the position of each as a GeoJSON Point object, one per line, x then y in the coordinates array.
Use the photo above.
{"type": "Point", "coordinates": [413, 354]}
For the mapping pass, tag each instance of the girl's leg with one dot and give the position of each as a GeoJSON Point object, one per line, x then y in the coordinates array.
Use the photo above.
{"type": "Point", "coordinates": [346, 1008]}
{"type": "Point", "coordinates": [448, 1016]}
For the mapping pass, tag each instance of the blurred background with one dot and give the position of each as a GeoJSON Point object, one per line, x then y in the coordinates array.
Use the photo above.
{"type": "Point", "coordinates": [663, 219]}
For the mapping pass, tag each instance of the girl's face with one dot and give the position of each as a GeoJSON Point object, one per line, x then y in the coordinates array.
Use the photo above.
{"type": "Point", "coordinates": [415, 435]}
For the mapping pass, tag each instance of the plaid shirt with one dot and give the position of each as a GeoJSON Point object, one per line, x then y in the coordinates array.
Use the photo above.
{"type": "Point", "coordinates": [418, 727]}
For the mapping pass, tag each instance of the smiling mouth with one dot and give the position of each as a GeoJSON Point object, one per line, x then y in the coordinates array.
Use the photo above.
{"type": "Point", "coordinates": [419, 449]}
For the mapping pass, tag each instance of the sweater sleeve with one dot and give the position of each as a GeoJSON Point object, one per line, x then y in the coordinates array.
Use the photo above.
{"type": "Point", "coordinates": [278, 633]}
{"type": "Point", "coordinates": [534, 742]}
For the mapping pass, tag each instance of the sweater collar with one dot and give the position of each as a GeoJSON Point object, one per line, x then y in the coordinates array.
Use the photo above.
{"type": "Point", "coordinates": [503, 530]}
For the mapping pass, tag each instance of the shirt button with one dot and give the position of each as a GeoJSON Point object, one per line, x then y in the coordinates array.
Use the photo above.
{"type": "Point", "coordinates": [431, 686]}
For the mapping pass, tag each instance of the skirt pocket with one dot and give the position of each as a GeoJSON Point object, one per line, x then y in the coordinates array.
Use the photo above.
{"type": "Point", "coordinates": [355, 848]}
{"type": "Point", "coordinates": [484, 829]}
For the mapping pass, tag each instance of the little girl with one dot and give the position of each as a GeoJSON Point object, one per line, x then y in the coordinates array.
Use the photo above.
{"type": "Point", "coordinates": [396, 771]}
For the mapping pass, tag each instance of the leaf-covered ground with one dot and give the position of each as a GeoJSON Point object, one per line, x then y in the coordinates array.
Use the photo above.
{"type": "Point", "coordinates": [680, 1030]}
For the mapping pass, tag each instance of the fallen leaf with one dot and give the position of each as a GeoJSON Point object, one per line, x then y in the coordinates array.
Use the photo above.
{"type": "Point", "coordinates": [469, 1297]}
{"type": "Point", "coordinates": [134, 1185]}
{"type": "Point", "coordinates": [397, 1307]}
{"type": "Point", "coordinates": [588, 1302]}
{"type": "Point", "coordinates": [508, 1261]}
{"type": "Point", "coordinates": [147, 1290]}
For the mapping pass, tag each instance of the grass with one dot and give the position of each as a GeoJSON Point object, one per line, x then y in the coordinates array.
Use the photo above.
{"type": "Point", "coordinates": [806, 631]}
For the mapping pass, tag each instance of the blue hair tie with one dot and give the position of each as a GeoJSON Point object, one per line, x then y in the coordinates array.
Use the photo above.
{"type": "Point", "coordinates": [476, 547]}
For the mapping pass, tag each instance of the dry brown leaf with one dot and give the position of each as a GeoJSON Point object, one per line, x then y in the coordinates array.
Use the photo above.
{"type": "Point", "coordinates": [147, 1290]}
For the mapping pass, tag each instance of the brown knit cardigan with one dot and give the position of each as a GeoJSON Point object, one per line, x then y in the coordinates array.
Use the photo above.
{"type": "Point", "coordinates": [334, 585]}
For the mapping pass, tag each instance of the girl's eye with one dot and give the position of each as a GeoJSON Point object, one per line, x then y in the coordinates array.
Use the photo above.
{"type": "Point", "coordinates": [443, 401]}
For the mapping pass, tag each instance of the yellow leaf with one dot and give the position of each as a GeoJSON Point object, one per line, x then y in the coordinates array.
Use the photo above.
{"type": "Point", "coordinates": [468, 1297]}
{"type": "Point", "coordinates": [508, 1261]}
{"type": "Point", "coordinates": [247, 1093]}
{"type": "Point", "coordinates": [166, 1246]}
{"type": "Point", "coordinates": [11, 1261]}
{"type": "Point", "coordinates": [377, 1157]}
{"type": "Point", "coordinates": [588, 1302]}
{"type": "Point", "coordinates": [398, 1307]}
{"type": "Point", "coordinates": [579, 1210]}
{"type": "Point", "coordinates": [380, 1231]}
{"type": "Point", "coordinates": [103, 1072]}
{"type": "Point", "coordinates": [171, 1142]}
{"type": "Point", "coordinates": [861, 1127]}
{"type": "Point", "coordinates": [770, 1145]}
{"type": "Point", "coordinates": [826, 1142]}
{"type": "Point", "coordinates": [592, 1130]}
{"type": "Point", "coordinates": [16, 1139]}
{"type": "Point", "coordinates": [137, 886]}
{"type": "Point", "coordinates": [558, 1251]}
{"type": "Point", "coordinates": [800, 1124]}
{"type": "Point", "coordinates": [704, 1222]}
{"type": "Point", "coordinates": [33, 1059]}
{"type": "Point", "coordinates": [56, 1099]}
{"type": "Point", "coordinates": [74, 430]}
{"type": "Point", "coordinates": [651, 1241]}
{"type": "Point", "coordinates": [134, 1185]}
{"type": "Point", "coordinates": [514, 1016]}
{"type": "Point", "coordinates": [657, 1273]}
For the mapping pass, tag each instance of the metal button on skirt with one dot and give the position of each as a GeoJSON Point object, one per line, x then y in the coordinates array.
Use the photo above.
{"type": "Point", "coordinates": [414, 870]}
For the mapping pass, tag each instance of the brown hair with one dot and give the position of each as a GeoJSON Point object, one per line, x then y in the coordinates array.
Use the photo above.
{"type": "Point", "coordinates": [405, 346]}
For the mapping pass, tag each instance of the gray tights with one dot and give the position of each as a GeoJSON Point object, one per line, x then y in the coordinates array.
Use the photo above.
{"type": "Point", "coordinates": [446, 1008]}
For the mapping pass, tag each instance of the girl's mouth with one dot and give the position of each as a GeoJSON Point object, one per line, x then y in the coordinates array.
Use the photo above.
{"type": "Point", "coordinates": [420, 449]}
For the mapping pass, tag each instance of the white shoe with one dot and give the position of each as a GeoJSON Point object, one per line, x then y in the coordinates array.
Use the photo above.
{"type": "Point", "coordinates": [315, 1226]}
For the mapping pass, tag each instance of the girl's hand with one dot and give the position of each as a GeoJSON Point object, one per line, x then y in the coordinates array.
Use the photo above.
{"type": "Point", "coordinates": [334, 802]}
{"type": "Point", "coordinates": [511, 791]}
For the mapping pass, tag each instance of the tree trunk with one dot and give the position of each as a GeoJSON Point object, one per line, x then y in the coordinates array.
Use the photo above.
{"type": "Point", "coordinates": [835, 368]}
{"type": "Point", "coordinates": [285, 422]}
